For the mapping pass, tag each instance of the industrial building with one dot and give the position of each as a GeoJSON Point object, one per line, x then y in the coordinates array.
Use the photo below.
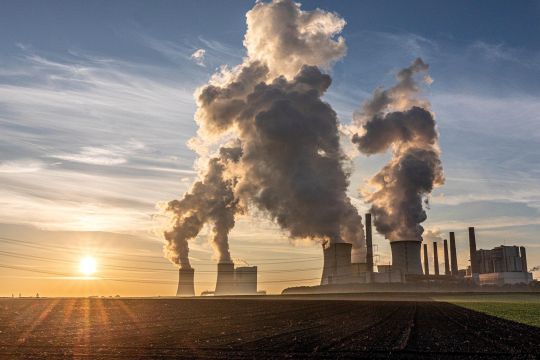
{"type": "Point", "coordinates": [239, 281]}
{"type": "Point", "coordinates": [499, 266]}
{"type": "Point", "coordinates": [502, 265]}
{"type": "Point", "coordinates": [230, 281]}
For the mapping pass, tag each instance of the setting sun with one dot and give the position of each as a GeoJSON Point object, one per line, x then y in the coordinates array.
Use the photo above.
{"type": "Point", "coordinates": [88, 265]}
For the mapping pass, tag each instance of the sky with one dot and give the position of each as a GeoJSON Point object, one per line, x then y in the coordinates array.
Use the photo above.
{"type": "Point", "coordinates": [97, 106]}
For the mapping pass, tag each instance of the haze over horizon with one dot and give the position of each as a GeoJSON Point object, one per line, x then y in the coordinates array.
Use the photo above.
{"type": "Point", "coordinates": [96, 111]}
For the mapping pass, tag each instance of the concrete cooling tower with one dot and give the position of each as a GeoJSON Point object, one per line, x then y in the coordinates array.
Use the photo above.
{"type": "Point", "coordinates": [246, 280]}
{"type": "Point", "coordinates": [406, 256]}
{"type": "Point", "coordinates": [225, 279]}
{"type": "Point", "coordinates": [185, 282]}
{"type": "Point", "coordinates": [337, 264]}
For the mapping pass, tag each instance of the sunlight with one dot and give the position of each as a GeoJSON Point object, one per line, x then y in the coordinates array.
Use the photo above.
{"type": "Point", "coordinates": [88, 265]}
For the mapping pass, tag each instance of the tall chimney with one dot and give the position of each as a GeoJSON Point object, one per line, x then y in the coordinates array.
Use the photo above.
{"type": "Point", "coordinates": [369, 244]}
{"type": "Point", "coordinates": [472, 250]}
{"type": "Point", "coordinates": [523, 259]}
{"type": "Point", "coordinates": [426, 262]}
{"type": "Point", "coordinates": [436, 258]}
{"type": "Point", "coordinates": [453, 254]}
{"type": "Point", "coordinates": [446, 259]}
{"type": "Point", "coordinates": [185, 282]}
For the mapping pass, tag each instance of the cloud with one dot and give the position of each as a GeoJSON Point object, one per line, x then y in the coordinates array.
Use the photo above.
{"type": "Point", "coordinates": [107, 156]}
{"type": "Point", "coordinates": [198, 57]}
{"type": "Point", "coordinates": [285, 37]}
{"type": "Point", "coordinates": [20, 166]}
{"type": "Point", "coordinates": [61, 161]}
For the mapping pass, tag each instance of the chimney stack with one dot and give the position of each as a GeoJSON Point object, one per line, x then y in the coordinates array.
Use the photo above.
{"type": "Point", "coordinates": [472, 250]}
{"type": "Point", "coordinates": [453, 254]}
{"type": "Point", "coordinates": [185, 282]}
{"type": "Point", "coordinates": [435, 258]}
{"type": "Point", "coordinates": [446, 259]}
{"type": "Point", "coordinates": [426, 262]}
{"type": "Point", "coordinates": [523, 259]}
{"type": "Point", "coordinates": [369, 244]}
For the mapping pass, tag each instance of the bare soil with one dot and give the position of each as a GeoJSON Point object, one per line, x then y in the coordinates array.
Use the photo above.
{"type": "Point", "coordinates": [256, 329]}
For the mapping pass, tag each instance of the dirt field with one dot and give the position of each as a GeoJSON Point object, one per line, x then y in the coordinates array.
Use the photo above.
{"type": "Point", "coordinates": [255, 329]}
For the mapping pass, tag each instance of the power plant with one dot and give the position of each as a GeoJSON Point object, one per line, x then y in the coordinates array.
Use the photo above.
{"type": "Point", "coordinates": [230, 281]}
{"type": "Point", "coordinates": [499, 266]}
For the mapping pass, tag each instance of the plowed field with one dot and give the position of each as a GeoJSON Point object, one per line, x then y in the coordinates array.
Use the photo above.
{"type": "Point", "coordinates": [255, 329]}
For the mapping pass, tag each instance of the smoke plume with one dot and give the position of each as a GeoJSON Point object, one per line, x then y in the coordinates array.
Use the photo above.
{"type": "Point", "coordinates": [433, 236]}
{"type": "Point", "coordinates": [290, 165]}
{"type": "Point", "coordinates": [210, 200]}
{"type": "Point", "coordinates": [396, 118]}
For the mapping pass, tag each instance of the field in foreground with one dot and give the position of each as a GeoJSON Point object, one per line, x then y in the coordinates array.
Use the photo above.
{"type": "Point", "coordinates": [255, 329]}
{"type": "Point", "coordinates": [523, 308]}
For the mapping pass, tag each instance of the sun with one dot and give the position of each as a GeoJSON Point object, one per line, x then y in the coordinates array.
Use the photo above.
{"type": "Point", "coordinates": [88, 265]}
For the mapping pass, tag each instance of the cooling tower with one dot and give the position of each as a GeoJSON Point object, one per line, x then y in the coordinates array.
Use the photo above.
{"type": "Point", "coordinates": [337, 267]}
{"type": "Point", "coordinates": [246, 280]}
{"type": "Point", "coordinates": [185, 282]}
{"type": "Point", "coordinates": [369, 244]}
{"type": "Point", "coordinates": [225, 279]}
{"type": "Point", "coordinates": [406, 256]}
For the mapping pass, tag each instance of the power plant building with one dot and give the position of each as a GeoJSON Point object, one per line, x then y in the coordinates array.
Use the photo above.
{"type": "Point", "coordinates": [499, 266]}
{"type": "Point", "coordinates": [503, 265]}
{"type": "Point", "coordinates": [239, 281]}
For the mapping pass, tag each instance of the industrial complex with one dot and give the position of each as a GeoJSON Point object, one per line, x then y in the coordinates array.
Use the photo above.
{"type": "Point", "coordinates": [230, 281]}
{"type": "Point", "coordinates": [503, 265]}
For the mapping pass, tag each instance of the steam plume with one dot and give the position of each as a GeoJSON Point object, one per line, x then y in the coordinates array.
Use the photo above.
{"type": "Point", "coordinates": [396, 118]}
{"type": "Point", "coordinates": [210, 200]}
{"type": "Point", "coordinates": [290, 164]}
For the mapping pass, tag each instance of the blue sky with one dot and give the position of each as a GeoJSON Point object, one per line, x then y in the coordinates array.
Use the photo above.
{"type": "Point", "coordinates": [96, 107]}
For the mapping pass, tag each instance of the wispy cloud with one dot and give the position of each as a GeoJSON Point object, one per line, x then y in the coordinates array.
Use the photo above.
{"type": "Point", "coordinates": [198, 57]}
{"type": "Point", "coordinates": [91, 142]}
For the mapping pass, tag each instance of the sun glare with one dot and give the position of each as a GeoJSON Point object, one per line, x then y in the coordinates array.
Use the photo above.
{"type": "Point", "coordinates": [88, 265]}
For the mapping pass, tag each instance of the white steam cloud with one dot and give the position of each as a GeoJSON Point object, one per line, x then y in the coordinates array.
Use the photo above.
{"type": "Point", "coordinates": [396, 118]}
{"type": "Point", "coordinates": [288, 162]}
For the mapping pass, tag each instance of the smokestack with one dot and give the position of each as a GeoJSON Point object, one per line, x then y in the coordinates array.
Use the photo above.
{"type": "Point", "coordinates": [185, 282]}
{"type": "Point", "coordinates": [369, 244]}
{"type": "Point", "coordinates": [225, 279]}
{"type": "Point", "coordinates": [472, 250]}
{"type": "Point", "coordinates": [436, 258]}
{"type": "Point", "coordinates": [406, 256]}
{"type": "Point", "coordinates": [426, 261]}
{"type": "Point", "coordinates": [446, 259]}
{"type": "Point", "coordinates": [523, 259]}
{"type": "Point", "coordinates": [453, 254]}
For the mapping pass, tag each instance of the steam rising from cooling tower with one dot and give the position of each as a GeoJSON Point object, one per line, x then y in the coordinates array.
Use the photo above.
{"type": "Point", "coordinates": [288, 162]}
{"type": "Point", "coordinates": [210, 200]}
{"type": "Point", "coordinates": [395, 118]}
